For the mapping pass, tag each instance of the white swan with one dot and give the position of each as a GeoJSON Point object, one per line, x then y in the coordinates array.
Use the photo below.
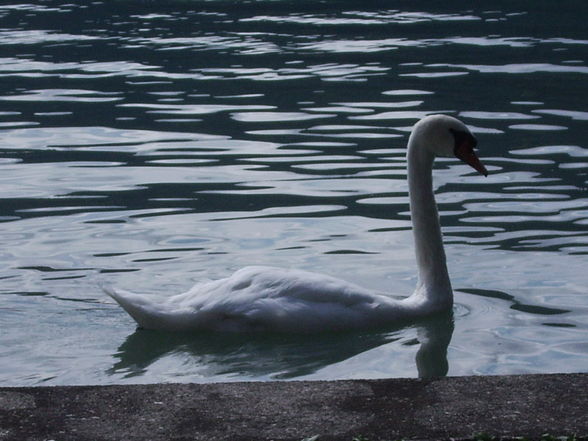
{"type": "Point", "coordinates": [286, 300]}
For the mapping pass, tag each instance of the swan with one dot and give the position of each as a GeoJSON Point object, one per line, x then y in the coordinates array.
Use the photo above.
{"type": "Point", "coordinates": [260, 298]}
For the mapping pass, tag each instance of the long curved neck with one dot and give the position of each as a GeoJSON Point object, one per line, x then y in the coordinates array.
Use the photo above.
{"type": "Point", "coordinates": [434, 282]}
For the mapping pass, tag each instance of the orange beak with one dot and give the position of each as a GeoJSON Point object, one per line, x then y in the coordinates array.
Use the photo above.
{"type": "Point", "coordinates": [465, 152]}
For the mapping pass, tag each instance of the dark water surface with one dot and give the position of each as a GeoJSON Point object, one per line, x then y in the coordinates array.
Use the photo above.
{"type": "Point", "coordinates": [150, 145]}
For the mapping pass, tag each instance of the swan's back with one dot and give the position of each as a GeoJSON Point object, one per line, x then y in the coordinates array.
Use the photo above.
{"type": "Point", "coordinates": [264, 299]}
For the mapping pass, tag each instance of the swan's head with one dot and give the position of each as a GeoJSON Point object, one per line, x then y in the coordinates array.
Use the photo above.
{"type": "Point", "coordinates": [448, 137]}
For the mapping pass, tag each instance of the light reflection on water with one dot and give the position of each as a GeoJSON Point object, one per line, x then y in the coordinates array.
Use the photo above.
{"type": "Point", "coordinates": [151, 146]}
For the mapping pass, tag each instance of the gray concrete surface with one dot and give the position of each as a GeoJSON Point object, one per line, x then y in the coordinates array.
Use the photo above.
{"type": "Point", "coordinates": [429, 409]}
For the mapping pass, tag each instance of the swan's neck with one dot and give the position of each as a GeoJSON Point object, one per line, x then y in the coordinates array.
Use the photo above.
{"type": "Point", "coordinates": [434, 285]}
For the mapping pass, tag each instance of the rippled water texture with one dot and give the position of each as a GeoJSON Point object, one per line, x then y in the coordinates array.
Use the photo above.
{"type": "Point", "coordinates": [153, 144]}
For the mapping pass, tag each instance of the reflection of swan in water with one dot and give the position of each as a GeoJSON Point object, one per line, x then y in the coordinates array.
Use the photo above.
{"type": "Point", "coordinates": [434, 337]}
{"type": "Point", "coordinates": [273, 299]}
{"type": "Point", "coordinates": [273, 356]}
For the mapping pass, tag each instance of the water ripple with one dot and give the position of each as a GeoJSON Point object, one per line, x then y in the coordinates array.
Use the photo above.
{"type": "Point", "coordinates": [156, 146]}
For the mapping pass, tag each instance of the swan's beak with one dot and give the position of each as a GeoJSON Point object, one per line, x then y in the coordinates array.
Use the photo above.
{"type": "Point", "coordinates": [465, 152]}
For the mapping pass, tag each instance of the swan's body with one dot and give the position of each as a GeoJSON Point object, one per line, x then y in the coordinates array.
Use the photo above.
{"type": "Point", "coordinates": [274, 299]}
{"type": "Point", "coordinates": [259, 298]}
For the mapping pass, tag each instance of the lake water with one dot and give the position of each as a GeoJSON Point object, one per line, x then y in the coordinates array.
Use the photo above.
{"type": "Point", "coordinates": [149, 145]}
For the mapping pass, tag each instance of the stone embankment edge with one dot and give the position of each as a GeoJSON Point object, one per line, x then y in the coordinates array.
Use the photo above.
{"type": "Point", "coordinates": [423, 409]}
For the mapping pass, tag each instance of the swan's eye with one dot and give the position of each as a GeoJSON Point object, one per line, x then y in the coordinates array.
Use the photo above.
{"type": "Point", "coordinates": [464, 141]}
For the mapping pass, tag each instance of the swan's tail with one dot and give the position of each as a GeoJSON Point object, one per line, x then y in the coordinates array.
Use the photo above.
{"type": "Point", "coordinates": [147, 312]}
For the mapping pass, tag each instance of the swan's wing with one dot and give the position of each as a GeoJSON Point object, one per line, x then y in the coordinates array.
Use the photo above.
{"type": "Point", "coordinates": [265, 298]}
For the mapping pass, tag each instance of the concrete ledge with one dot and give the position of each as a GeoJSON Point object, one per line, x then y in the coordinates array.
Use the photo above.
{"type": "Point", "coordinates": [443, 408]}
